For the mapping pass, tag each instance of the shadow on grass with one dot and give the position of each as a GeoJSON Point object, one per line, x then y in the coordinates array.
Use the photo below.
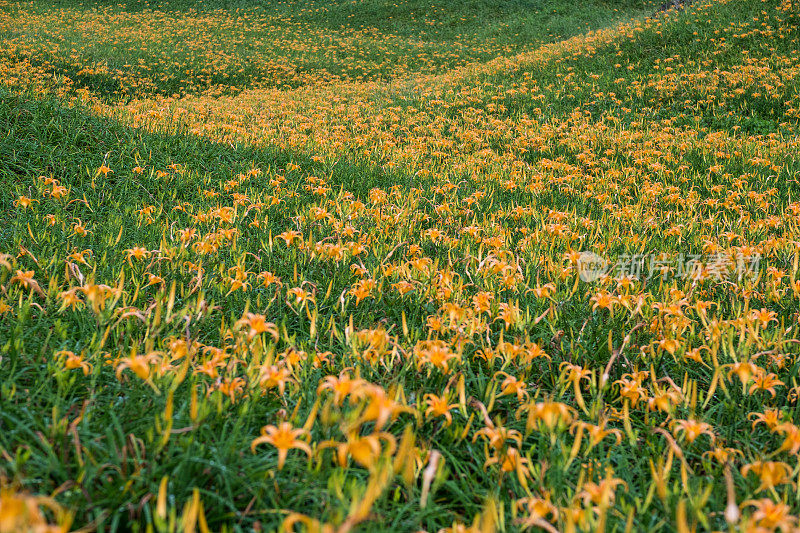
{"type": "Point", "coordinates": [43, 137]}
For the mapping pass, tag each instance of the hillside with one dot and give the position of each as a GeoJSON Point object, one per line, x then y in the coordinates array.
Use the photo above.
{"type": "Point", "coordinates": [399, 266]}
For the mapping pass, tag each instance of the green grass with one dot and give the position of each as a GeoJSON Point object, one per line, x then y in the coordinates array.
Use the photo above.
{"type": "Point", "coordinates": [213, 46]}
{"type": "Point", "coordinates": [101, 444]}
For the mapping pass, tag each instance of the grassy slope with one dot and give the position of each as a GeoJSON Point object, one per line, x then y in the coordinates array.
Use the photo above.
{"type": "Point", "coordinates": [43, 137]}
{"type": "Point", "coordinates": [203, 46]}
{"type": "Point", "coordinates": [119, 462]}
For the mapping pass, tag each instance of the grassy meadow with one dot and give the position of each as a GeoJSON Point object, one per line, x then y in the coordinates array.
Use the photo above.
{"type": "Point", "coordinates": [325, 266]}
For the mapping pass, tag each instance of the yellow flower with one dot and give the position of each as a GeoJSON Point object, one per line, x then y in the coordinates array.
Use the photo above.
{"type": "Point", "coordinates": [511, 460]}
{"type": "Point", "coordinates": [24, 202]}
{"type": "Point", "coordinates": [21, 512]}
{"type": "Point", "coordinates": [137, 252]}
{"type": "Point", "coordinates": [284, 438]}
{"type": "Point", "coordinates": [379, 406]}
{"type": "Point", "coordinates": [603, 493]}
{"type": "Point", "coordinates": [603, 300]}
{"type": "Point", "coordinates": [272, 376]}
{"type": "Point", "coordinates": [73, 361]}
{"type": "Point", "coordinates": [439, 406]}
{"type": "Point", "coordinates": [363, 289]}
{"type": "Point", "coordinates": [692, 429]}
{"type": "Point", "coordinates": [257, 324]}
{"type": "Point", "coordinates": [770, 473]}
{"type": "Point", "coordinates": [770, 516]}
{"type": "Point", "coordinates": [744, 371]}
{"type": "Point", "coordinates": [765, 381]}
{"type": "Point", "coordinates": [550, 415]}
{"type": "Point", "coordinates": [791, 435]}
{"type": "Point", "coordinates": [341, 386]}
{"type": "Point", "coordinates": [498, 436]}
{"type": "Point", "coordinates": [512, 385]}
{"type": "Point", "coordinates": [138, 364]}
{"type": "Point", "coordinates": [365, 450]}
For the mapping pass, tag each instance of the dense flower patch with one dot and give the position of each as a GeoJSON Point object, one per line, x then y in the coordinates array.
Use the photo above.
{"type": "Point", "coordinates": [338, 301]}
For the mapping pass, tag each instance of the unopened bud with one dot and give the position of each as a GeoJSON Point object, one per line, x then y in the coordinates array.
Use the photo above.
{"type": "Point", "coordinates": [732, 513]}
